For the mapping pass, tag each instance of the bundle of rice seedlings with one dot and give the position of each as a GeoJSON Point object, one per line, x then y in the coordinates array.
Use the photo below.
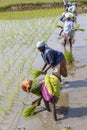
{"type": "Point", "coordinates": [78, 28]}
{"type": "Point", "coordinates": [37, 73]}
{"type": "Point", "coordinates": [29, 111]}
{"type": "Point", "coordinates": [66, 128]}
{"type": "Point", "coordinates": [58, 26]}
{"type": "Point", "coordinates": [68, 56]}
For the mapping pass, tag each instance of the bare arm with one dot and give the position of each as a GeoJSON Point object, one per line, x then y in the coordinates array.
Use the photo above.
{"type": "Point", "coordinates": [48, 67]}
{"type": "Point", "coordinates": [60, 32]}
{"type": "Point", "coordinates": [44, 66]}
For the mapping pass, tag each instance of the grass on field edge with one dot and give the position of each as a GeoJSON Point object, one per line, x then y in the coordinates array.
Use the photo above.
{"type": "Point", "coordinates": [37, 5]}
{"type": "Point", "coordinates": [29, 14]}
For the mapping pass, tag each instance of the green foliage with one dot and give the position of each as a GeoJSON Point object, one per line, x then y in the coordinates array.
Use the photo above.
{"type": "Point", "coordinates": [10, 100]}
{"type": "Point", "coordinates": [37, 73]}
{"type": "Point", "coordinates": [59, 26]}
{"type": "Point", "coordinates": [68, 56]}
{"type": "Point", "coordinates": [79, 28]}
{"type": "Point", "coordinates": [4, 3]}
{"type": "Point", "coordinates": [2, 109]}
{"type": "Point", "coordinates": [37, 13]}
{"type": "Point", "coordinates": [53, 85]}
{"type": "Point", "coordinates": [36, 87]}
{"type": "Point", "coordinates": [18, 52]}
{"type": "Point", "coordinates": [30, 110]}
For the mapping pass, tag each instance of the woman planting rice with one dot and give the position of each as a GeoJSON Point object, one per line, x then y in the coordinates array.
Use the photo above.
{"type": "Point", "coordinates": [68, 31]}
{"type": "Point", "coordinates": [48, 90]}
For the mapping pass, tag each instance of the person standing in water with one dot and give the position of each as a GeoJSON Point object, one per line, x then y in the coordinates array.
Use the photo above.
{"type": "Point", "coordinates": [53, 59]}
{"type": "Point", "coordinates": [68, 31]}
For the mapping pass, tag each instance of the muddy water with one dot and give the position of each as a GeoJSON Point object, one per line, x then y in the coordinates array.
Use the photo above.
{"type": "Point", "coordinates": [78, 69]}
{"type": "Point", "coordinates": [80, 45]}
{"type": "Point", "coordinates": [43, 120]}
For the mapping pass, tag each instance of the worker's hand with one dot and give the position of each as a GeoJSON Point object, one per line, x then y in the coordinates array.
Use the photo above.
{"type": "Point", "coordinates": [44, 71]}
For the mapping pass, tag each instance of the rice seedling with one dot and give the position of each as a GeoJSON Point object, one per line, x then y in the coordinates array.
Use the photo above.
{"type": "Point", "coordinates": [67, 128]}
{"type": "Point", "coordinates": [59, 26]}
{"type": "Point", "coordinates": [2, 109]}
{"type": "Point", "coordinates": [10, 100]}
{"type": "Point", "coordinates": [5, 3]}
{"type": "Point", "coordinates": [2, 73]}
{"type": "Point", "coordinates": [36, 73]}
{"type": "Point", "coordinates": [7, 82]}
{"type": "Point", "coordinates": [6, 108]}
{"type": "Point", "coordinates": [22, 101]}
{"type": "Point", "coordinates": [68, 56]}
{"type": "Point", "coordinates": [18, 48]}
{"type": "Point", "coordinates": [29, 111]}
{"type": "Point", "coordinates": [25, 15]}
{"type": "Point", "coordinates": [79, 28]}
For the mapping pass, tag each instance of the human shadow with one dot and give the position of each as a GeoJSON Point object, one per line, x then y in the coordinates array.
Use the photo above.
{"type": "Point", "coordinates": [75, 84]}
{"type": "Point", "coordinates": [67, 112]}
{"type": "Point", "coordinates": [77, 112]}
{"type": "Point", "coordinates": [41, 109]}
{"type": "Point", "coordinates": [74, 112]}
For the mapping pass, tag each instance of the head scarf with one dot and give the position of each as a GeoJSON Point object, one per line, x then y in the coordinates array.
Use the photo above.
{"type": "Point", "coordinates": [40, 44]}
{"type": "Point", "coordinates": [26, 85]}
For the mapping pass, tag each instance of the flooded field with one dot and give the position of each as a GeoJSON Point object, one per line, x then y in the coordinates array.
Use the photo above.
{"type": "Point", "coordinates": [17, 53]}
{"type": "Point", "coordinates": [18, 57]}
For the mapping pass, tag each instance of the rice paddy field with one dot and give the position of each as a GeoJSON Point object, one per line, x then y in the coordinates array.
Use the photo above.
{"type": "Point", "coordinates": [19, 33]}
{"type": "Point", "coordinates": [12, 2]}
{"type": "Point", "coordinates": [8, 3]}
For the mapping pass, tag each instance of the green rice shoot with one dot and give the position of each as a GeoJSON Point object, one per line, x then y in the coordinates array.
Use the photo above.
{"type": "Point", "coordinates": [68, 56]}
{"type": "Point", "coordinates": [36, 73]}
{"type": "Point", "coordinates": [79, 28]}
{"type": "Point", "coordinates": [29, 111]}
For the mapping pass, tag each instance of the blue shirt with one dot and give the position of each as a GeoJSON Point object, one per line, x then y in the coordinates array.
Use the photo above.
{"type": "Point", "coordinates": [51, 56]}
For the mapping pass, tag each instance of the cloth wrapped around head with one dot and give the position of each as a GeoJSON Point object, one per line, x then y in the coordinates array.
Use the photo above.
{"type": "Point", "coordinates": [40, 44]}
{"type": "Point", "coordinates": [26, 85]}
{"type": "Point", "coordinates": [69, 15]}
